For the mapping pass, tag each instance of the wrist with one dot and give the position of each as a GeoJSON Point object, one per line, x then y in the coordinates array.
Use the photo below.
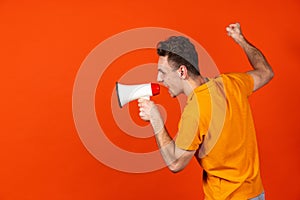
{"type": "Point", "coordinates": [240, 39]}
{"type": "Point", "coordinates": [156, 121]}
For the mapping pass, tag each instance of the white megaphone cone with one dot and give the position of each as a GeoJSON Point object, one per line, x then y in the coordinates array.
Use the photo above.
{"type": "Point", "coordinates": [127, 93]}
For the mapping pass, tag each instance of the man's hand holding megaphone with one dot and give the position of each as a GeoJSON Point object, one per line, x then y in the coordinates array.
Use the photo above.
{"type": "Point", "coordinates": [142, 92]}
{"type": "Point", "coordinates": [150, 112]}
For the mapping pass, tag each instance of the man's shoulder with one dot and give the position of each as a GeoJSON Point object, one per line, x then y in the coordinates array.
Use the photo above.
{"type": "Point", "coordinates": [235, 76]}
{"type": "Point", "coordinates": [241, 80]}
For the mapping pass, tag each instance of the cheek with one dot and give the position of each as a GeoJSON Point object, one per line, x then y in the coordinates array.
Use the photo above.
{"type": "Point", "coordinates": [172, 80]}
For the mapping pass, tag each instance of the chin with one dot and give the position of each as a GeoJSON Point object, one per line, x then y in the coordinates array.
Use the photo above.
{"type": "Point", "coordinates": [173, 95]}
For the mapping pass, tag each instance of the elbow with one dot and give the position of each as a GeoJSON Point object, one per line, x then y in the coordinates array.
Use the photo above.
{"type": "Point", "coordinates": [267, 75]}
{"type": "Point", "coordinates": [271, 74]}
{"type": "Point", "coordinates": [175, 167]}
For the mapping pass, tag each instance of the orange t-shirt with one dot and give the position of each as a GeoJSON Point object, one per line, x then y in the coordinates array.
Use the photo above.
{"type": "Point", "coordinates": [217, 122]}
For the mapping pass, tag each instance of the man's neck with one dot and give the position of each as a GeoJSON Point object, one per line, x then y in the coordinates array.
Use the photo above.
{"type": "Point", "coordinates": [193, 83]}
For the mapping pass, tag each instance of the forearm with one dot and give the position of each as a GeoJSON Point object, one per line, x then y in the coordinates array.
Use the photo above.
{"type": "Point", "coordinates": [262, 72]}
{"type": "Point", "coordinates": [164, 141]}
{"type": "Point", "coordinates": [175, 158]}
{"type": "Point", "coordinates": [255, 56]}
{"type": "Point", "coordinates": [166, 146]}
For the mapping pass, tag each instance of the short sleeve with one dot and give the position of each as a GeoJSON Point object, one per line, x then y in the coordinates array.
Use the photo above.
{"type": "Point", "coordinates": [243, 81]}
{"type": "Point", "coordinates": [188, 137]}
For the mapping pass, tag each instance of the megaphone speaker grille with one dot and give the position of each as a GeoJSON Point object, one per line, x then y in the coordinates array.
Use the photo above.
{"type": "Point", "coordinates": [117, 90]}
{"type": "Point", "coordinates": [155, 89]}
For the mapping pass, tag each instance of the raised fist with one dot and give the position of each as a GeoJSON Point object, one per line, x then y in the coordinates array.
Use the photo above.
{"type": "Point", "coordinates": [234, 31]}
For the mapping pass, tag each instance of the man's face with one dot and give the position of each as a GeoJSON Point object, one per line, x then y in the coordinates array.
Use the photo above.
{"type": "Point", "coordinates": [169, 76]}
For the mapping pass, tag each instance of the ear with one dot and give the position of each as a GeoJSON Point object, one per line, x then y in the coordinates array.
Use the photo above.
{"type": "Point", "coordinates": [182, 71]}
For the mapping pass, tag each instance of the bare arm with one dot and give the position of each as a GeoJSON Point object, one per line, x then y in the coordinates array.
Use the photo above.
{"type": "Point", "coordinates": [262, 72]}
{"type": "Point", "coordinates": [175, 158]}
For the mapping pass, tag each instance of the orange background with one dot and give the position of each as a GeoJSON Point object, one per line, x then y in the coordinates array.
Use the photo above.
{"type": "Point", "coordinates": [43, 44]}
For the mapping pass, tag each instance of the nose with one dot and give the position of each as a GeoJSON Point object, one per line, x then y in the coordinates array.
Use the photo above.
{"type": "Point", "coordinates": [159, 77]}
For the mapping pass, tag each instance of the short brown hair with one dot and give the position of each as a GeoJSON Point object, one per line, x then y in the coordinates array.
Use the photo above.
{"type": "Point", "coordinates": [181, 51]}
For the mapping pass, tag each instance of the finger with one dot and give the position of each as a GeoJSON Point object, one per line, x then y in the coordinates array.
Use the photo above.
{"type": "Point", "coordinates": [142, 114]}
{"type": "Point", "coordinates": [141, 100]}
{"type": "Point", "coordinates": [234, 26]}
{"type": "Point", "coordinates": [141, 103]}
{"type": "Point", "coordinates": [228, 29]}
{"type": "Point", "coordinates": [231, 25]}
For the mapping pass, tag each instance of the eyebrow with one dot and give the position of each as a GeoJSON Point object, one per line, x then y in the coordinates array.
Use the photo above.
{"type": "Point", "coordinates": [160, 70]}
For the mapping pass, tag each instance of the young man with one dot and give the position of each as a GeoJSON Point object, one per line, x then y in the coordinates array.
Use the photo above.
{"type": "Point", "coordinates": [216, 125]}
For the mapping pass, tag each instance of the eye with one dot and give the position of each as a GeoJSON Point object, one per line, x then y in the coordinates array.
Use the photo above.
{"type": "Point", "coordinates": [161, 71]}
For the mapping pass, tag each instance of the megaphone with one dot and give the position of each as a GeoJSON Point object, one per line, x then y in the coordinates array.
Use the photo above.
{"type": "Point", "coordinates": [127, 93]}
